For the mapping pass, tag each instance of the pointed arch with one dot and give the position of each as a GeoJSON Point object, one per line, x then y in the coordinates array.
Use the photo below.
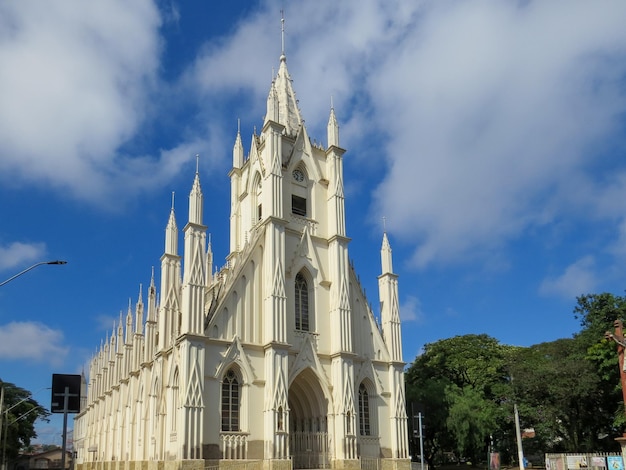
{"type": "Point", "coordinates": [174, 401]}
{"type": "Point", "coordinates": [302, 168]}
{"type": "Point", "coordinates": [307, 358]}
{"type": "Point", "coordinates": [240, 308]}
{"type": "Point", "coordinates": [280, 421]}
{"type": "Point", "coordinates": [301, 155]}
{"type": "Point", "coordinates": [300, 193]}
{"type": "Point", "coordinates": [255, 193]}
{"type": "Point", "coordinates": [364, 411]}
{"type": "Point", "coordinates": [302, 304]}
{"type": "Point", "coordinates": [154, 423]}
{"type": "Point", "coordinates": [236, 360]}
{"type": "Point", "coordinates": [367, 374]}
{"type": "Point", "coordinates": [230, 400]}
{"type": "Point", "coordinates": [236, 357]}
{"type": "Point", "coordinates": [307, 257]}
{"type": "Point", "coordinates": [310, 404]}
{"type": "Point", "coordinates": [230, 328]}
{"type": "Point", "coordinates": [140, 411]}
{"type": "Point", "coordinates": [368, 432]}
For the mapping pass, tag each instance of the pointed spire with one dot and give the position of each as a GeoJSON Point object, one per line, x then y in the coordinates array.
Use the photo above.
{"type": "Point", "coordinates": [332, 130]}
{"type": "Point", "coordinates": [385, 256]}
{"type": "Point", "coordinates": [282, 105]}
{"type": "Point", "coordinates": [112, 349]}
{"type": "Point", "coordinates": [171, 233]}
{"type": "Point", "coordinates": [195, 198]}
{"type": "Point", "coordinates": [129, 324]}
{"type": "Point", "coordinates": [107, 357]}
{"type": "Point", "coordinates": [288, 112]}
{"type": "Point", "coordinates": [272, 113]}
{"type": "Point", "coordinates": [238, 148]}
{"type": "Point", "coordinates": [139, 308]}
{"type": "Point", "coordinates": [209, 262]}
{"type": "Point", "coordinates": [151, 295]}
{"type": "Point", "coordinates": [152, 304]}
{"type": "Point", "coordinates": [120, 332]}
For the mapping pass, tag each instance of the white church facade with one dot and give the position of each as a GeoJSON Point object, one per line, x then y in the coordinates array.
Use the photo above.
{"type": "Point", "coordinates": [276, 358]}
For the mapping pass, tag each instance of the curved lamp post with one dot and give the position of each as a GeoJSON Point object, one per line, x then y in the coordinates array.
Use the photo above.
{"type": "Point", "coordinates": [31, 267]}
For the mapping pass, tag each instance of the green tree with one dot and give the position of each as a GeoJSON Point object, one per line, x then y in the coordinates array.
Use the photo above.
{"type": "Point", "coordinates": [559, 394]}
{"type": "Point", "coordinates": [472, 417]}
{"type": "Point", "coordinates": [20, 412]}
{"type": "Point", "coordinates": [460, 384]}
{"type": "Point", "coordinates": [597, 314]}
{"type": "Point", "coordinates": [568, 390]}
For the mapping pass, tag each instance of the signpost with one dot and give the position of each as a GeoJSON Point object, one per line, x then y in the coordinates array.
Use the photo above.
{"type": "Point", "coordinates": [65, 399]}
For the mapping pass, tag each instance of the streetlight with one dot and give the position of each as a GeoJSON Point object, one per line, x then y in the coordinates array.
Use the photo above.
{"type": "Point", "coordinates": [6, 431]}
{"type": "Point", "coordinates": [4, 420]}
{"type": "Point", "coordinates": [32, 267]}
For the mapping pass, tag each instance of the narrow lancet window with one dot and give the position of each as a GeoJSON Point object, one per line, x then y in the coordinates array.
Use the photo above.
{"type": "Point", "coordinates": [230, 402]}
{"type": "Point", "coordinates": [364, 411]}
{"type": "Point", "coordinates": [302, 303]}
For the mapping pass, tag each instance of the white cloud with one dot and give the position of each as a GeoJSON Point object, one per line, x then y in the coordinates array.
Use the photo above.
{"type": "Point", "coordinates": [493, 114]}
{"type": "Point", "coordinates": [74, 86]}
{"type": "Point", "coordinates": [495, 110]}
{"type": "Point", "coordinates": [18, 253]}
{"type": "Point", "coordinates": [32, 341]}
{"type": "Point", "coordinates": [411, 309]}
{"type": "Point", "coordinates": [577, 279]}
{"type": "Point", "coordinates": [106, 323]}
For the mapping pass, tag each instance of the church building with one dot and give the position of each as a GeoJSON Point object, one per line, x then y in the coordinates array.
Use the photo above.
{"type": "Point", "coordinates": [276, 359]}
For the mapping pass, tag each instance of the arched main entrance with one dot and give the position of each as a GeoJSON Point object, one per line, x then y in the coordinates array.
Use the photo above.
{"type": "Point", "coordinates": [308, 422]}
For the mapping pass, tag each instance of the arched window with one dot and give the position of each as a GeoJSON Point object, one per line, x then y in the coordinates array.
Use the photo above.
{"type": "Point", "coordinates": [364, 411]}
{"type": "Point", "coordinates": [279, 424]}
{"type": "Point", "coordinates": [258, 199]}
{"type": "Point", "coordinates": [299, 193]}
{"type": "Point", "coordinates": [175, 399]}
{"type": "Point", "coordinates": [230, 402]}
{"type": "Point", "coordinates": [302, 303]}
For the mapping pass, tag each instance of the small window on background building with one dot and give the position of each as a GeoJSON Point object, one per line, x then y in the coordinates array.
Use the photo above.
{"type": "Point", "coordinates": [298, 205]}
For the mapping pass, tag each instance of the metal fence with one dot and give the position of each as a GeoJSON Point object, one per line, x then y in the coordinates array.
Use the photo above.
{"type": "Point", "coordinates": [585, 461]}
{"type": "Point", "coordinates": [370, 463]}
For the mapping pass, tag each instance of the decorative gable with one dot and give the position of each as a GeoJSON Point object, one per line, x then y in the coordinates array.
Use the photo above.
{"type": "Point", "coordinates": [235, 354]}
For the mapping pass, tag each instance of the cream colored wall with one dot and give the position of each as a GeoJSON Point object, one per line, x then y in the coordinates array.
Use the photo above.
{"type": "Point", "coordinates": [236, 333]}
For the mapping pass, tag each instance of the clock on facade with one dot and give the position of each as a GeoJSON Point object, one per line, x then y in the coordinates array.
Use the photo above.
{"type": "Point", "coordinates": [298, 176]}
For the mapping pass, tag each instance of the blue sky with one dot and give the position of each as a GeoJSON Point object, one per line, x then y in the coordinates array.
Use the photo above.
{"type": "Point", "coordinates": [490, 135]}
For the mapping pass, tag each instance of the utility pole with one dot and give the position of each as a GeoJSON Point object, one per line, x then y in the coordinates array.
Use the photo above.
{"type": "Point", "coordinates": [421, 441]}
{"type": "Point", "coordinates": [66, 399]}
{"type": "Point", "coordinates": [518, 433]}
{"type": "Point", "coordinates": [1, 411]}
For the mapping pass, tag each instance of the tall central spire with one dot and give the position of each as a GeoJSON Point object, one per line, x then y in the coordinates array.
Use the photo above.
{"type": "Point", "coordinates": [288, 113]}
